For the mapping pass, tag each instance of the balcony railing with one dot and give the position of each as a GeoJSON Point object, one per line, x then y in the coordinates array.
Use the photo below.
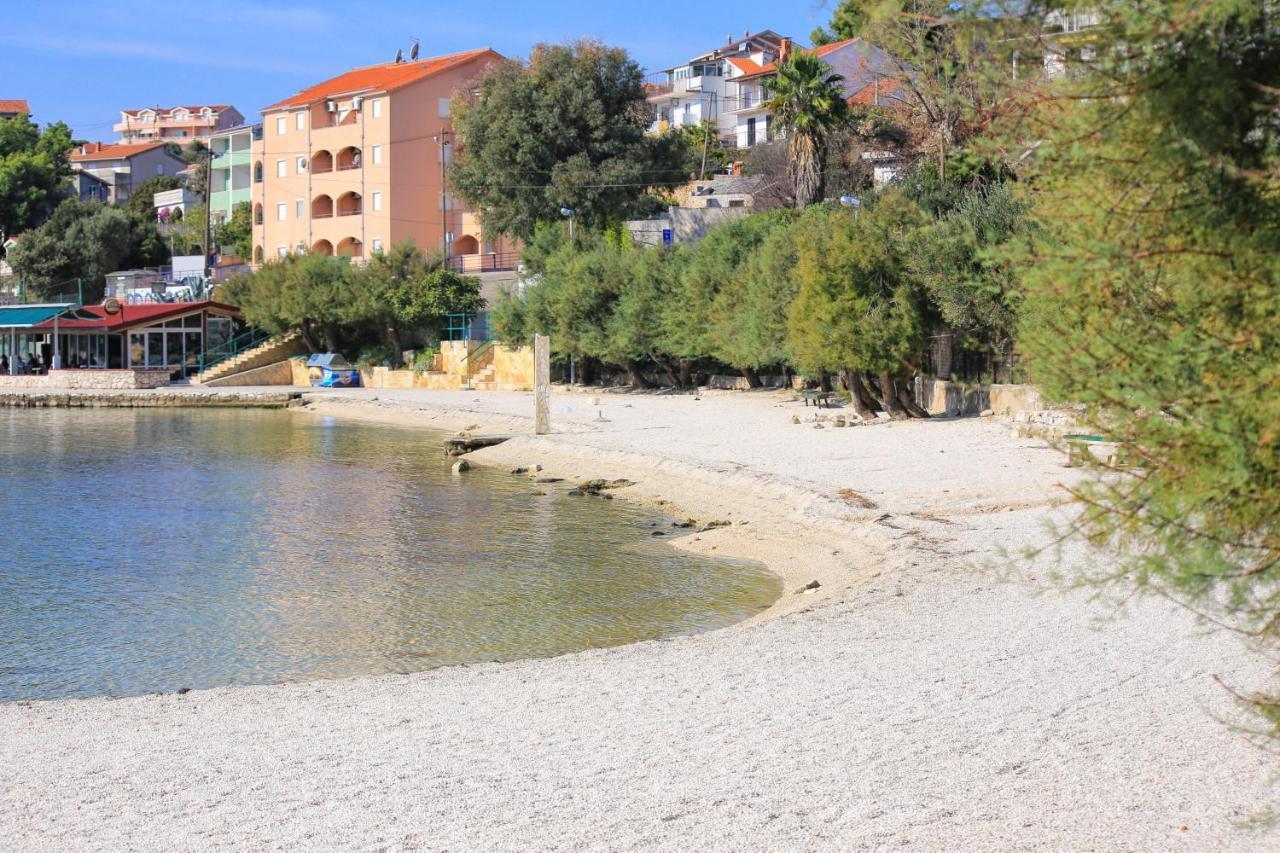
{"type": "Point", "coordinates": [488, 262]}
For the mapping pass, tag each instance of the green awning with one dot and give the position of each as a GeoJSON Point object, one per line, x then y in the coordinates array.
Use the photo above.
{"type": "Point", "coordinates": [25, 316]}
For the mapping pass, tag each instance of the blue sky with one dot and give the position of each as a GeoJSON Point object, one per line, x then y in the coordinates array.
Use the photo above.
{"type": "Point", "coordinates": [82, 62]}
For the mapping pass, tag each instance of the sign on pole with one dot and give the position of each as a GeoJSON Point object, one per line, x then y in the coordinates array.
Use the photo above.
{"type": "Point", "coordinates": [541, 384]}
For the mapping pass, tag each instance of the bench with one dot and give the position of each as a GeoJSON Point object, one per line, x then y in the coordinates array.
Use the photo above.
{"type": "Point", "coordinates": [818, 398]}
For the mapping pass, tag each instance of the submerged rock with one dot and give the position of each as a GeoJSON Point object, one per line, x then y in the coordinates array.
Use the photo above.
{"type": "Point", "coordinates": [460, 466]}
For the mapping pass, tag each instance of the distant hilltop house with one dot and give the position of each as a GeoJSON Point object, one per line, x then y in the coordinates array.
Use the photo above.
{"type": "Point", "coordinates": [175, 124]}
{"type": "Point", "coordinates": [231, 169]}
{"type": "Point", "coordinates": [702, 89]}
{"type": "Point", "coordinates": [861, 64]}
{"type": "Point", "coordinates": [355, 164]}
{"type": "Point", "coordinates": [109, 173]}
{"type": "Point", "coordinates": [13, 107]}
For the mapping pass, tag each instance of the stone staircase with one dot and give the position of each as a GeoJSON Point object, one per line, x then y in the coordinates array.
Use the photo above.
{"type": "Point", "coordinates": [268, 352]}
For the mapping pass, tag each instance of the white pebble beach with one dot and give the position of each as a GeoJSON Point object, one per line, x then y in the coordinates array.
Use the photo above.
{"type": "Point", "coordinates": [936, 691]}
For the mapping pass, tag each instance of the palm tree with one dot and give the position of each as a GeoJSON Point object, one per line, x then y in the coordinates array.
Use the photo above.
{"type": "Point", "coordinates": [808, 103]}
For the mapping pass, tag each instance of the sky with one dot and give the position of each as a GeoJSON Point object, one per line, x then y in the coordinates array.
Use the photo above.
{"type": "Point", "coordinates": [82, 62]}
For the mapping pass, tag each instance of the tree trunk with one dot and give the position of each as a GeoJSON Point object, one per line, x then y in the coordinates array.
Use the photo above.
{"type": "Point", "coordinates": [805, 166]}
{"type": "Point", "coordinates": [667, 368]}
{"type": "Point", "coordinates": [686, 374]}
{"type": "Point", "coordinates": [393, 338]}
{"type": "Point", "coordinates": [908, 399]}
{"type": "Point", "coordinates": [753, 378]}
{"type": "Point", "coordinates": [889, 398]}
{"type": "Point", "coordinates": [309, 337]}
{"type": "Point", "coordinates": [788, 377]}
{"type": "Point", "coordinates": [863, 403]}
{"type": "Point", "coordinates": [329, 334]}
{"type": "Point", "coordinates": [636, 375]}
{"type": "Point", "coordinates": [586, 370]}
{"type": "Point", "coordinates": [824, 381]}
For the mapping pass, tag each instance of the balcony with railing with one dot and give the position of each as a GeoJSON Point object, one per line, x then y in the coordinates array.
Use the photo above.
{"type": "Point", "coordinates": [350, 204]}
{"type": "Point", "coordinates": [484, 262]}
{"type": "Point", "coordinates": [348, 158]}
{"type": "Point", "coordinates": [322, 207]}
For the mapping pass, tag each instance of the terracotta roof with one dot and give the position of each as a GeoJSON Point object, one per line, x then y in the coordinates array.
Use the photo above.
{"type": "Point", "coordinates": [140, 315]}
{"type": "Point", "coordinates": [217, 108]}
{"type": "Point", "coordinates": [15, 105]}
{"type": "Point", "coordinates": [889, 93]}
{"type": "Point", "coordinates": [111, 151]}
{"type": "Point", "coordinates": [746, 66]}
{"type": "Point", "coordinates": [379, 78]}
{"type": "Point", "coordinates": [772, 67]}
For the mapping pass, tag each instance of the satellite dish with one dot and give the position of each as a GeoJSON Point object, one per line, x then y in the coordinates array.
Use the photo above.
{"type": "Point", "coordinates": [413, 52]}
{"type": "Point", "coordinates": [399, 56]}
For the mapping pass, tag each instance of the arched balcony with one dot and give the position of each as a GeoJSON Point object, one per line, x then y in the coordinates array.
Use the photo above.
{"type": "Point", "coordinates": [466, 245]}
{"type": "Point", "coordinates": [321, 207]}
{"type": "Point", "coordinates": [349, 158]}
{"type": "Point", "coordinates": [322, 247]}
{"type": "Point", "coordinates": [350, 247]}
{"type": "Point", "coordinates": [257, 214]}
{"type": "Point", "coordinates": [350, 204]}
{"type": "Point", "coordinates": [321, 161]}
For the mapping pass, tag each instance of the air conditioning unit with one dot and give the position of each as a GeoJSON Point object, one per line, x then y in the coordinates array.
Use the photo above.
{"type": "Point", "coordinates": [331, 106]}
{"type": "Point", "coordinates": [357, 101]}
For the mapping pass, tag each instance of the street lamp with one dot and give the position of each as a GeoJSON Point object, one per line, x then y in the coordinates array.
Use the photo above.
{"type": "Point", "coordinates": [569, 213]}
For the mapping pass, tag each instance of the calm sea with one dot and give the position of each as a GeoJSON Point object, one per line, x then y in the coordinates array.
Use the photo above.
{"type": "Point", "coordinates": [151, 550]}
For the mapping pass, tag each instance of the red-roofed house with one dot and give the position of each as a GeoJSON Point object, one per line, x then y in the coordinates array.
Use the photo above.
{"type": "Point", "coordinates": [109, 172]}
{"type": "Point", "coordinates": [354, 164]}
{"type": "Point", "coordinates": [860, 63]}
{"type": "Point", "coordinates": [12, 107]}
{"type": "Point", "coordinates": [702, 88]}
{"type": "Point", "coordinates": [176, 124]}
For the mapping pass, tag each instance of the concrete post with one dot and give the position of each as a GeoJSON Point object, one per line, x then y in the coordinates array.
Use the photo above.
{"type": "Point", "coordinates": [541, 384]}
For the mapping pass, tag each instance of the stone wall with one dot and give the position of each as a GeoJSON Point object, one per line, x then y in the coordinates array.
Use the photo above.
{"type": "Point", "coordinates": [940, 397]}
{"type": "Point", "coordinates": [280, 373]}
{"type": "Point", "coordinates": [93, 380]}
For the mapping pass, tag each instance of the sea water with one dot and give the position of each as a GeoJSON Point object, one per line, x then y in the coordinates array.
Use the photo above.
{"type": "Point", "coordinates": [149, 550]}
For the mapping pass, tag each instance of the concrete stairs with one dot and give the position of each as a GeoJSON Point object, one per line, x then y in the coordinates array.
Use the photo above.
{"type": "Point", "coordinates": [268, 352]}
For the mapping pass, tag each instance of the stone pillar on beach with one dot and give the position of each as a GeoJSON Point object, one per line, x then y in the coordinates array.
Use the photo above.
{"type": "Point", "coordinates": [541, 384]}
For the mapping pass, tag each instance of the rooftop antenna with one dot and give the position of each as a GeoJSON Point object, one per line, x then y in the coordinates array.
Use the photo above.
{"type": "Point", "coordinates": [413, 51]}
{"type": "Point", "coordinates": [399, 56]}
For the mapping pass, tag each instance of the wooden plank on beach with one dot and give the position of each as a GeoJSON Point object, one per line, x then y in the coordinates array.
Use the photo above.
{"type": "Point", "coordinates": [456, 445]}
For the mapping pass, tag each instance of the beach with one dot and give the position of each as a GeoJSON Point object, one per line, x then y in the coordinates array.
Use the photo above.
{"type": "Point", "coordinates": [933, 690]}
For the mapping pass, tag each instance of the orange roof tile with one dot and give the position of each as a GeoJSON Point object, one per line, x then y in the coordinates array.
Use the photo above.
{"type": "Point", "coordinates": [888, 94]}
{"type": "Point", "coordinates": [217, 108]}
{"type": "Point", "coordinates": [110, 151]}
{"type": "Point", "coordinates": [15, 105]}
{"type": "Point", "coordinates": [772, 67]}
{"type": "Point", "coordinates": [746, 66]}
{"type": "Point", "coordinates": [379, 78]}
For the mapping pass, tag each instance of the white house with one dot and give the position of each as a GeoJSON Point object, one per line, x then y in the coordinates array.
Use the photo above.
{"type": "Point", "coordinates": [860, 63]}
{"type": "Point", "coordinates": [702, 88]}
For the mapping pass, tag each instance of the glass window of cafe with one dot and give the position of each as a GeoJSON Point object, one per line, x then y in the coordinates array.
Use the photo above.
{"type": "Point", "coordinates": [174, 344]}
{"type": "Point", "coordinates": [83, 350]}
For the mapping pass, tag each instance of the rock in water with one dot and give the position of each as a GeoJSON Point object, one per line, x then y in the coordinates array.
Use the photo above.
{"type": "Point", "coordinates": [461, 465]}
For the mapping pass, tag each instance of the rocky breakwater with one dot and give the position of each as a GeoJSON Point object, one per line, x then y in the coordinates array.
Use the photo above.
{"type": "Point", "coordinates": [134, 399]}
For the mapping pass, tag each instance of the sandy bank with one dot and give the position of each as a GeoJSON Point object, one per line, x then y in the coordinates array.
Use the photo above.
{"type": "Point", "coordinates": [917, 700]}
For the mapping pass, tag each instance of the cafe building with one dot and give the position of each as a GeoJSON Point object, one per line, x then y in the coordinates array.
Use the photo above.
{"type": "Point", "coordinates": [163, 339]}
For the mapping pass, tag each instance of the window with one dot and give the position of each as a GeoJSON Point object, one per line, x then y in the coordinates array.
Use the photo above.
{"type": "Point", "coordinates": [377, 107]}
{"type": "Point", "coordinates": [444, 108]}
{"type": "Point", "coordinates": [377, 244]}
{"type": "Point", "coordinates": [300, 120]}
{"type": "Point", "coordinates": [281, 125]}
{"type": "Point", "coordinates": [257, 172]}
{"type": "Point", "coordinates": [377, 155]}
{"type": "Point", "coordinates": [282, 168]}
{"type": "Point", "coordinates": [302, 165]}
{"type": "Point", "coordinates": [281, 251]}
{"type": "Point", "coordinates": [377, 201]}
{"type": "Point", "coordinates": [282, 212]}
{"type": "Point", "coordinates": [299, 208]}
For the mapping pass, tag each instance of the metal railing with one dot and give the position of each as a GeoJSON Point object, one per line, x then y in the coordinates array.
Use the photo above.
{"type": "Point", "coordinates": [479, 352]}
{"type": "Point", "coordinates": [245, 341]}
{"type": "Point", "coordinates": [489, 262]}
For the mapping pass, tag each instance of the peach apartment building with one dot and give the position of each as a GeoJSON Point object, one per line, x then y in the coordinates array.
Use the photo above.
{"type": "Point", "coordinates": [355, 164]}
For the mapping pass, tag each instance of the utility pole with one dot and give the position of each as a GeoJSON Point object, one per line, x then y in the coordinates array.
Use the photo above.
{"type": "Point", "coordinates": [443, 139]}
{"type": "Point", "coordinates": [208, 211]}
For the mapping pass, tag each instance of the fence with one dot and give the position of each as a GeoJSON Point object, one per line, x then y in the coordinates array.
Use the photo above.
{"type": "Point", "coordinates": [490, 262]}
{"type": "Point", "coordinates": [946, 358]}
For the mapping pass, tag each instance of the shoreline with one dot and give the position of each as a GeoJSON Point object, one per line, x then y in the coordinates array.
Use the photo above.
{"type": "Point", "coordinates": [815, 548]}
{"type": "Point", "coordinates": [925, 694]}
